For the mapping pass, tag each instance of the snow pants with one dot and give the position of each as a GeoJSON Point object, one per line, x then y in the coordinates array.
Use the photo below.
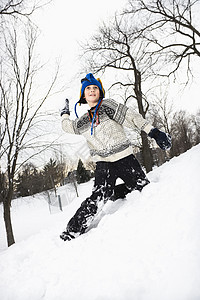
{"type": "Point", "coordinates": [106, 174]}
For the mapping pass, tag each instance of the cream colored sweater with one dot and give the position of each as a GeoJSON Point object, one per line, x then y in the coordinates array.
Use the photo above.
{"type": "Point", "coordinates": [108, 141]}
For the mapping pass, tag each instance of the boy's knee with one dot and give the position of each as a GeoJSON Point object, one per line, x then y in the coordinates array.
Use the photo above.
{"type": "Point", "coordinates": [89, 206]}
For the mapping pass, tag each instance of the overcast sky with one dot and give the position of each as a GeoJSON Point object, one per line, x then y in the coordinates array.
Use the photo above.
{"type": "Point", "coordinates": [64, 24]}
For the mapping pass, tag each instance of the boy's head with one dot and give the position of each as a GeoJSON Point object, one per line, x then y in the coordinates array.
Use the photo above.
{"type": "Point", "coordinates": [91, 90]}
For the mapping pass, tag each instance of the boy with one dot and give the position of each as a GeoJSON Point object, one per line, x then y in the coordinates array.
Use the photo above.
{"type": "Point", "coordinates": [103, 127]}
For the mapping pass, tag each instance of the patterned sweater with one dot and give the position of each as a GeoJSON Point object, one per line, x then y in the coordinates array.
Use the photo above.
{"type": "Point", "coordinates": [108, 141]}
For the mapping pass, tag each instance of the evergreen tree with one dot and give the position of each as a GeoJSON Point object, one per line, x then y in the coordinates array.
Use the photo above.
{"type": "Point", "coordinates": [82, 174]}
{"type": "Point", "coordinates": [53, 173]}
{"type": "Point", "coordinates": [29, 181]}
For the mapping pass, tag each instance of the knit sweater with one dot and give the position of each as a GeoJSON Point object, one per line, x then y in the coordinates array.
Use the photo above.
{"type": "Point", "coordinates": [108, 141]}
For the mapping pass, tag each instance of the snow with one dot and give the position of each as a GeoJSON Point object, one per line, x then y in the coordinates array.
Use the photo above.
{"type": "Point", "coordinates": [142, 248]}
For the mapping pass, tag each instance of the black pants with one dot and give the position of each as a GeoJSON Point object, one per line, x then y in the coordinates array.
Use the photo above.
{"type": "Point", "coordinates": [128, 169]}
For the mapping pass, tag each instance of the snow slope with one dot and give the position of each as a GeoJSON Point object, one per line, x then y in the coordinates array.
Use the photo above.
{"type": "Point", "coordinates": [144, 248]}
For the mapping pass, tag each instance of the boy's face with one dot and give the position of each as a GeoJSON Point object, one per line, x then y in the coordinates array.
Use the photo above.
{"type": "Point", "coordinates": [92, 94]}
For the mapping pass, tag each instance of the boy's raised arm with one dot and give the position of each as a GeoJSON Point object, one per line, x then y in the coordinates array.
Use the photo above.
{"type": "Point", "coordinates": [67, 124]}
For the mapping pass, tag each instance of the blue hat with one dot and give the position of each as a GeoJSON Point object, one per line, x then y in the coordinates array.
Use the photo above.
{"type": "Point", "coordinates": [90, 80]}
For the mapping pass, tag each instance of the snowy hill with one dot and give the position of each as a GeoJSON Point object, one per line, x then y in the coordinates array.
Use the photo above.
{"type": "Point", "coordinates": [144, 248]}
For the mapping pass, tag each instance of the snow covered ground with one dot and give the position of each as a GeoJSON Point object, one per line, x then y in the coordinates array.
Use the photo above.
{"type": "Point", "coordinates": [144, 248]}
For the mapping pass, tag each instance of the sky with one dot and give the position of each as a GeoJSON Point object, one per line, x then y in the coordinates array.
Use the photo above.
{"type": "Point", "coordinates": [65, 24]}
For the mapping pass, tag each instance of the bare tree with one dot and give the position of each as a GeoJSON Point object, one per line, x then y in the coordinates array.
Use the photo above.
{"type": "Point", "coordinates": [197, 127]}
{"type": "Point", "coordinates": [183, 132]}
{"type": "Point", "coordinates": [172, 28]}
{"type": "Point", "coordinates": [19, 108]}
{"type": "Point", "coordinates": [161, 114]}
{"type": "Point", "coordinates": [19, 8]}
{"type": "Point", "coordinates": [118, 46]}
{"type": "Point", "coordinates": [160, 111]}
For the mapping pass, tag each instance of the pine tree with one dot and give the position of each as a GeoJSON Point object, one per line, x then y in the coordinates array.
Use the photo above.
{"type": "Point", "coordinates": [29, 181]}
{"type": "Point", "coordinates": [53, 173]}
{"type": "Point", "coordinates": [82, 174]}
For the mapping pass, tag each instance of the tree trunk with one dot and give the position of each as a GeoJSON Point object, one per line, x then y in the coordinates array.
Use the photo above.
{"type": "Point", "coordinates": [8, 224]}
{"type": "Point", "coordinates": [146, 153]}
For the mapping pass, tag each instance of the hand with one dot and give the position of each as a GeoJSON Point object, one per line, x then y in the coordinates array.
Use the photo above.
{"type": "Point", "coordinates": [162, 139]}
{"type": "Point", "coordinates": [65, 110]}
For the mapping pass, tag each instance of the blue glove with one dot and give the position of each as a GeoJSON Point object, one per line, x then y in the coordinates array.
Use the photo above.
{"type": "Point", "coordinates": [162, 139]}
{"type": "Point", "coordinates": [65, 110]}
